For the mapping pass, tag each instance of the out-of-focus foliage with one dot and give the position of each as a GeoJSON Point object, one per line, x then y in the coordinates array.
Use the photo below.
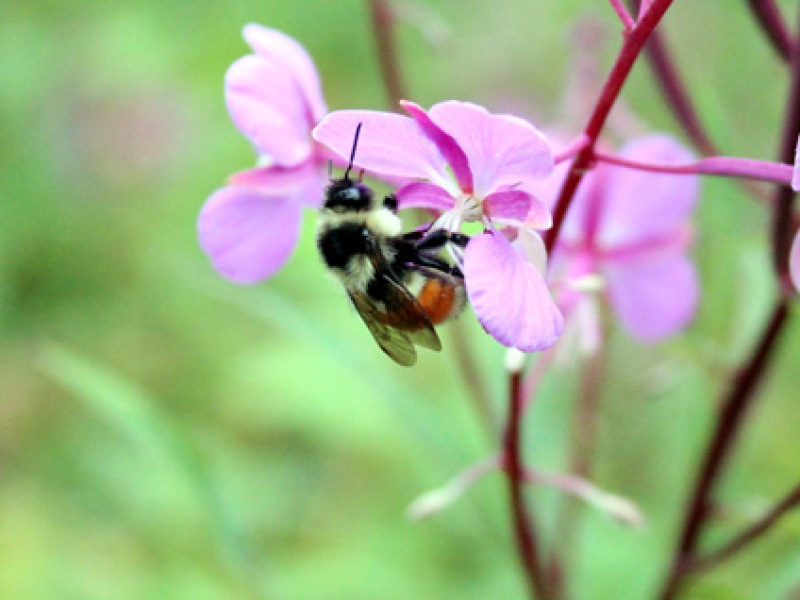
{"type": "Point", "coordinates": [164, 433]}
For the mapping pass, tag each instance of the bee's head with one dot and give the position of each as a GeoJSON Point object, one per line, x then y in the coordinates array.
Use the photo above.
{"type": "Point", "coordinates": [346, 195]}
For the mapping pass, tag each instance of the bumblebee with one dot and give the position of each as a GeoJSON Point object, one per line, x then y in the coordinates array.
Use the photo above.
{"type": "Point", "coordinates": [396, 281]}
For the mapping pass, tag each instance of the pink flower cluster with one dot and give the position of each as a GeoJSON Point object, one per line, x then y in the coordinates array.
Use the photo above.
{"type": "Point", "coordinates": [463, 164]}
{"type": "Point", "coordinates": [632, 229]}
{"type": "Point", "coordinates": [250, 227]}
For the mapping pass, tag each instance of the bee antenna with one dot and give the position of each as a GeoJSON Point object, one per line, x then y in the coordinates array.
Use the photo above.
{"type": "Point", "coordinates": [330, 169]}
{"type": "Point", "coordinates": [353, 153]}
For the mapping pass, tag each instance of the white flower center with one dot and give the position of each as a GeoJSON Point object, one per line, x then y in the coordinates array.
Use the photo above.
{"type": "Point", "coordinates": [468, 208]}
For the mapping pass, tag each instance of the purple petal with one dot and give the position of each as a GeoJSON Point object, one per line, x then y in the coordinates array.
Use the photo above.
{"type": "Point", "coordinates": [305, 182]}
{"type": "Point", "coordinates": [389, 144]}
{"type": "Point", "coordinates": [509, 295]}
{"type": "Point", "coordinates": [269, 109]}
{"type": "Point", "coordinates": [502, 150]}
{"type": "Point", "coordinates": [531, 245]}
{"type": "Point", "coordinates": [794, 262]}
{"type": "Point", "coordinates": [448, 146]}
{"type": "Point", "coordinates": [796, 170]}
{"type": "Point", "coordinates": [424, 195]}
{"type": "Point", "coordinates": [639, 205]}
{"type": "Point", "coordinates": [538, 216]}
{"type": "Point", "coordinates": [286, 51]}
{"type": "Point", "coordinates": [248, 235]}
{"type": "Point", "coordinates": [655, 296]}
{"type": "Point", "coordinates": [508, 204]}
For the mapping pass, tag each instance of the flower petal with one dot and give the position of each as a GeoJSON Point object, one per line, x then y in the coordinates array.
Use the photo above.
{"type": "Point", "coordinates": [268, 108]}
{"type": "Point", "coordinates": [248, 235]}
{"type": "Point", "coordinates": [305, 182]}
{"type": "Point", "coordinates": [796, 170]}
{"type": "Point", "coordinates": [424, 195]}
{"type": "Point", "coordinates": [532, 246]}
{"type": "Point", "coordinates": [655, 296]}
{"type": "Point", "coordinates": [449, 147]}
{"type": "Point", "coordinates": [509, 295]}
{"type": "Point", "coordinates": [389, 144]}
{"type": "Point", "coordinates": [508, 204]}
{"type": "Point", "coordinates": [794, 261]}
{"type": "Point", "coordinates": [286, 51]}
{"type": "Point", "coordinates": [640, 205]}
{"type": "Point", "coordinates": [502, 150]}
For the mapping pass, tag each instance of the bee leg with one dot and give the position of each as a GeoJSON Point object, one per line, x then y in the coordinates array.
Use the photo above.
{"type": "Point", "coordinates": [414, 236]}
{"type": "Point", "coordinates": [438, 238]}
{"type": "Point", "coordinates": [425, 262]}
{"type": "Point", "coordinates": [431, 262]}
{"type": "Point", "coordinates": [390, 202]}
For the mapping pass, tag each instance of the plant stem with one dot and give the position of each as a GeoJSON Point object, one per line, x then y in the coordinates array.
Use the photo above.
{"type": "Point", "coordinates": [721, 166]}
{"type": "Point", "coordinates": [634, 42]}
{"type": "Point", "coordinates": [623, 14]}
{"type": "Point", "coordinates": [734, 408]}
{"type": "Point", "coordinates": [782, 223]}
{"type": "Point", "coordinates": [769, 17]}
{"type": "Point", "coordinates": [746, 537]}
{"type": "Point", "coordinates": [383, 27]}
{"type": "Point", "coordinates": [515, 472]}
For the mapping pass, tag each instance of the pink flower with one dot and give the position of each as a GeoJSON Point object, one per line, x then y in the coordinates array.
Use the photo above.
{"type": "Point", "coordinates": [794, 262]}
{"type": "Point", "coordinates": [796, 169]}
{"type": "Point", "coordinates": [631, 228]}
{"type": "Point", "coordinates": [468, 166]}
{"type": "Point", "coordinates": [250, 227]}
{"type": "Point", "coordinates": [794, 256]}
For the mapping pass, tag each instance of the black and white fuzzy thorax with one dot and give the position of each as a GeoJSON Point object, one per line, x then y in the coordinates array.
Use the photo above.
{"type": "Point", "coordinates": [355, 233]}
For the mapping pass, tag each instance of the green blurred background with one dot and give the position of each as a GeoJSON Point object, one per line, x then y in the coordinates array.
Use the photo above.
{"type": "Point", "coordinates": [167, 434]}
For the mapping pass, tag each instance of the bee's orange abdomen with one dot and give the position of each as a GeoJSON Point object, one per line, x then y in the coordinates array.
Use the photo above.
{"type": "Point", "coordinates": [438, 299]}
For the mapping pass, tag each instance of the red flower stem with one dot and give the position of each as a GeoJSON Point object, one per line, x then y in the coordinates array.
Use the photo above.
{"type": "Point", "coordinates": [515, 472]}
{"type": "Point", "coordinates": [721, 166]}
{"type": "Point", "coordinates": [768, 15]}
{"type": "Point", "coordinates": [746, 537]}
{"type": "Point", "coordinates": [578, 144]}
{"type": "Point", "coordinates": [383, 27]}
{"type": "Point", "coordinates": [634, 42]}
{"type": "Point", "coordinates": [731, 417]}
{"type": "Point", "coordinates": [782, 222]}
{"type": "Point", "coordinates": [623, 14]}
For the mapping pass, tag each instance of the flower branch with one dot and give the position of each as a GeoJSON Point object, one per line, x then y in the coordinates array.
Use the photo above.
{"type": "Point", "coordinates": [631, 48]}
{"type": "Point", "coordinates": [729, 421]}
{"type": "Point", "coordinates": [617, 507]}
{"type": "Point", "coordinates": [578, 145]}
{"type": "Point", "coordinates": [383, 19]}
{"type": "Point", "coordinates": [789, 502]}
{"type": "Point", "coordinates": [678, 99]}
{"type": "Point", "coordinates": [623, 14]}
{"type": "Point", "coordinates": [768, 15]}
{"type": "Point", "coordinates": [782, 222]}
{"type": "Point", "coordinates": [721, 166]}
{"type": "Point", "coordinates": [524, 528]}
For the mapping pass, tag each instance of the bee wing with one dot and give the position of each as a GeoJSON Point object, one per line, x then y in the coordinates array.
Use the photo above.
{"type": "Point", "coordinates": [408, 311]}
{"type": "Point", "coordinates": [394, 342]}
{"type": "Point", "coordinates": [398, 325]}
